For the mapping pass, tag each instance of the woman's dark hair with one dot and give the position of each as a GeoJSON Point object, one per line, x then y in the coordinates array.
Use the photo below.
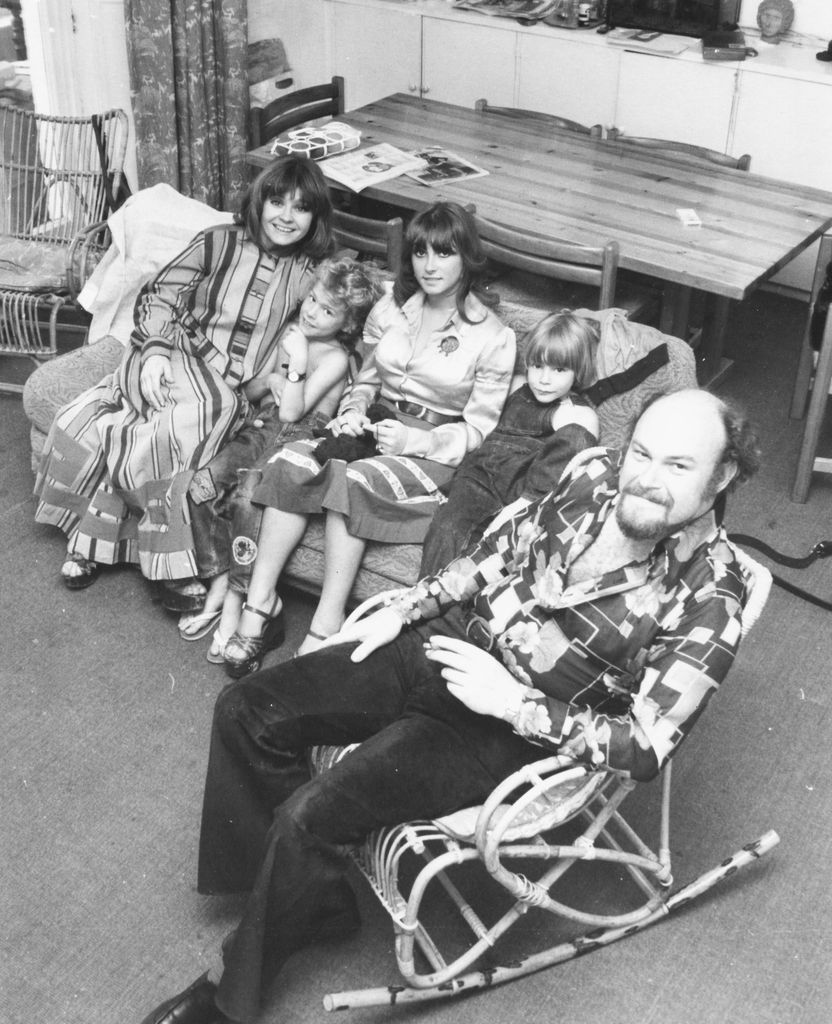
{"type": "Point", "coordinates": [446, 227]}
{"type": "Point", "coordinates": [288, 175]}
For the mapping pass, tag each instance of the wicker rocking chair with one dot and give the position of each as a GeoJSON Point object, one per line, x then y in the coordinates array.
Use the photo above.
{"type": "Point", "coordinates": [516, 840]}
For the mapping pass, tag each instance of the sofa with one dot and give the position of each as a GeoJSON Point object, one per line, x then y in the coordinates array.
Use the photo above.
{"type": "Point", "coordinates": [385, 566]}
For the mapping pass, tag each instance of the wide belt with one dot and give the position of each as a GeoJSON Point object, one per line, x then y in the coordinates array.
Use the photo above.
{"type": "Point", "coordinates": [421, 412]}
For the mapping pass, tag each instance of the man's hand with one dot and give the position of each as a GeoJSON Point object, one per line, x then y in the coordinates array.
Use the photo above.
{"type": "Point", "coordinates": [373, 631]}
{"type": "Point", "coordinates": [154, 380]}
{"type": "Point", "coordinates": [475, 677]}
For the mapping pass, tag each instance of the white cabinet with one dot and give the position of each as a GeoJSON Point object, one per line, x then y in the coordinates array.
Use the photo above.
{"type": "Point", "coordinates": [462, 62]}
{"type": "Point", "coordinates": [783, 123]}
{"type": "Point", "coordinates": [377, 50]}
{"type": "Point", "coordinates": [562, 76]}
{"type": "Point", "coordinates": [662, 97]}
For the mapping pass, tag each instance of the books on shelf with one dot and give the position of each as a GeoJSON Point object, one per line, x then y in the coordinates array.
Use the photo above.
{"type": "Point", "coordinates": [364, 167]}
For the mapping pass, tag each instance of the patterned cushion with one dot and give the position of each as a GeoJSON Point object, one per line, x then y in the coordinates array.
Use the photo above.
{"type": "Point", "coordinates": [32, 266]}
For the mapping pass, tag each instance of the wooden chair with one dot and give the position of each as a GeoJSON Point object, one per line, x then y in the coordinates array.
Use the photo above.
{"type": "Point", "coordinates": [549, 274]}
{"type": "Point", "coordinates": [519, 114]}
{"type": "Point", "coordinates": [550, 818]}
{"type": "Point", "coordinates": [676, 299]}
{"type": "Point", "coordinates": [298, 107]}
{"type": "Point", "coordinates": [59, 177]}
{"type": "Point", "coordinates": [383, 238]}
{"type": "Point", "coordinates": [699, 153]}
{"type": "Point", "coordinates": [811, 383]}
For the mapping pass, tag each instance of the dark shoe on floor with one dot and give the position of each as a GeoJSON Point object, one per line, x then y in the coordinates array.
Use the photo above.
{"type": "Point", "coordinates": [244, 654]}
{"type": "Point", "coordinates": [193, 1006]}
{"type": "Point", "coordinates": [181, 595]}
{"type": "Point", "coordinates": [78, 572]}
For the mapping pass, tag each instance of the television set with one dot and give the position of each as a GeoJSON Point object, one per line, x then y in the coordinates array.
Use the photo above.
{"type": "Point", "coordinates": [674, 17]}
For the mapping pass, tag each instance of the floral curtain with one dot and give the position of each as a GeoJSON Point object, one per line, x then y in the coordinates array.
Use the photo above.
{"type": "Point", "coordinates": [190, 95]}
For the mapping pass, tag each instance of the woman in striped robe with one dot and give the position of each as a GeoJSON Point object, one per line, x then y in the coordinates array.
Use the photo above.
{"type": "Point", "coordinates": [119, 459]}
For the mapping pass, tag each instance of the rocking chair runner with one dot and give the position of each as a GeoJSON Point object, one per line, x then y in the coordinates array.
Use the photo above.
{"type": "Point", "coordinates": [516, 824]}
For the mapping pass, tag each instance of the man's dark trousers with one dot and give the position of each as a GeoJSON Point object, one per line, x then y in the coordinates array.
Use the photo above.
{"type": "Point", "coordinates": [268, 829]}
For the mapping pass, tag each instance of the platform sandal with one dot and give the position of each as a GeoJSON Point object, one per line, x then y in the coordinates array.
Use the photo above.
{"type": "Point", "coordinates": [244, 654]}
{"type": "Point", "coordinates": [78, 572]}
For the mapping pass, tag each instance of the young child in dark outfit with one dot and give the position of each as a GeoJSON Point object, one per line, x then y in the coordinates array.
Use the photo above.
{"type": "Point", "coordinates": [543, 425]}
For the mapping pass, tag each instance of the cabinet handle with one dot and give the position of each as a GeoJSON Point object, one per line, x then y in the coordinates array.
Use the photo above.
{"type": "Point", "coordinates": [413, 88]}
{"type": "Point", "coordinates": [424, 90]}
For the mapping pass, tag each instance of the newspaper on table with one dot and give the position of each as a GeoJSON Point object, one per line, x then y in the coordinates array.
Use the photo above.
{"type": "Point", "coordinates": [531, 10]}
{"type": "Point", "coordinates": [364, 167]}
{"type": "Point", "coordinates": [441, 167]}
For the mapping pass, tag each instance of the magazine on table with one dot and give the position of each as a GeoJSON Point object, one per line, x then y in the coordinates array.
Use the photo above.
{"type": "Point", "coordinates": [364, 167]}
{"type": "Point", "coordinates": [440, 167]}
{"type": "Point", "coordinates": [532, 10]}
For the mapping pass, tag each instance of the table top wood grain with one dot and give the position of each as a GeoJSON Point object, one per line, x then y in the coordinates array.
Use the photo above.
{"type": "Point", "coordinates": [572, 187]}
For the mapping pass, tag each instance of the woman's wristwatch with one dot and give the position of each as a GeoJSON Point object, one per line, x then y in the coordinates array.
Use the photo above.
{"type": "Point", "coordinates": [294, 377]}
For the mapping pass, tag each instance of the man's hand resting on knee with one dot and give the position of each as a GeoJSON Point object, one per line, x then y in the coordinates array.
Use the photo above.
{"type": "Point", "coordinates": [371, 632]}
{"type": "Point", "coordinates": [476, 678]}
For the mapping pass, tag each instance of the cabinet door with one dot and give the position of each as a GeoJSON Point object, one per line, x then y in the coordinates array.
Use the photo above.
{"type": "Point", "coordinates": [301, 27]}
{"type": "Point", "coordinates": [461, 62]}
{"type": "Point", "coordinates": [560, 76]}
{"type": "Point", "coordinates": [665, 98]}
{"type": "Point", "coordinates": [781, 123]}
{"type": "Point", "coordinates": [377, 51]}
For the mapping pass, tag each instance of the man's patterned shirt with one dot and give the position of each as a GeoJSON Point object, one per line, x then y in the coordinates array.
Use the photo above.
{"type": "Point", "coordinates": [619, 667]}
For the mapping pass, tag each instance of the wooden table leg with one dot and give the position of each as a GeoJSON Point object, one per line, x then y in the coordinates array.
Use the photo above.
{"type": "Point", "coordinates": [709, 357]}
{"type": "Point", "coordinates": [805, 364]}
{"type": "Point", "coordinates": [814, 418]}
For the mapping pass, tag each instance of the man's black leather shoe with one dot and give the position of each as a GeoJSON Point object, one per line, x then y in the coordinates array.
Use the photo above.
{"type": "Point", "coordinates": [193, 1006]}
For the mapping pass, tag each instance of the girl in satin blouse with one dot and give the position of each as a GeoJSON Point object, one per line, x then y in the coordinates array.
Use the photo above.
{"type": "Point", "coordinates": [439, 359]}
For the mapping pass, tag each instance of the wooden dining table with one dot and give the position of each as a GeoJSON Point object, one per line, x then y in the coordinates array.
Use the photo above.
{"type": "Point", "coordinates": [577, 188]}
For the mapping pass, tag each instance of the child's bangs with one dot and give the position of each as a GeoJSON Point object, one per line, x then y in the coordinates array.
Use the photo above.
{"type": "Point", "coordinates": [558, 352]}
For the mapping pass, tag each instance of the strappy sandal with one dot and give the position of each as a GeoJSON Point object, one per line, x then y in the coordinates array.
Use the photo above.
{"type": "Point", "coordinates": [318, 641]}
{"type": "Point", "coordinates": [196, 625]}
{"type": "Point", "coordinates": [78, 572]}
{"type": "Point", "coordinates": [244, 654]}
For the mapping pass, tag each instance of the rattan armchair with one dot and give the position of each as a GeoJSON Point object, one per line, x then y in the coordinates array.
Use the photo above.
{"type": "Point", "coordinates": [60, 176]}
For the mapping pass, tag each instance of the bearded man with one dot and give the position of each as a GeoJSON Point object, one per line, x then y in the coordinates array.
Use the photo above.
{"type": "Point", "coordinates": [594, 622]}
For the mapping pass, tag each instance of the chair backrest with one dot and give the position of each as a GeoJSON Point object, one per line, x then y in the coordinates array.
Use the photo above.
{"type": "Point", "coordinates": [540, 118]}
{"type": "Point", "coordinates": [59, 175]}
{"type": "Point", "coordinates": [375, 237]}
{"type": "Point", "coordinates": [298, 107]}
{"type": "Point", "coordinates": [700, 153]}
{"type": "Point", "coordinates": [562, 261]}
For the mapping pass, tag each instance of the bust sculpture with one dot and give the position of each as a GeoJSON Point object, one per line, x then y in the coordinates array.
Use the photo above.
{"type": "Point", "coordinates": [774, 18]}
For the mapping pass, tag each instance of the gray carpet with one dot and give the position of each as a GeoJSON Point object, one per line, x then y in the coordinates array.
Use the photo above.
{"type": "Point", "coordinates": [105, 729]}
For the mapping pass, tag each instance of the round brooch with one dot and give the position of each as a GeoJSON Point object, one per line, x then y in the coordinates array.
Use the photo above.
{"type": "Point", "coordinates": [448, 345]}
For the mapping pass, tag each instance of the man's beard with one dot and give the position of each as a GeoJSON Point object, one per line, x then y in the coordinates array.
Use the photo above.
{"type": "Point", "coordinates": [644, 522]}
{"type": "Point", "coordinates": [653, 521]}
